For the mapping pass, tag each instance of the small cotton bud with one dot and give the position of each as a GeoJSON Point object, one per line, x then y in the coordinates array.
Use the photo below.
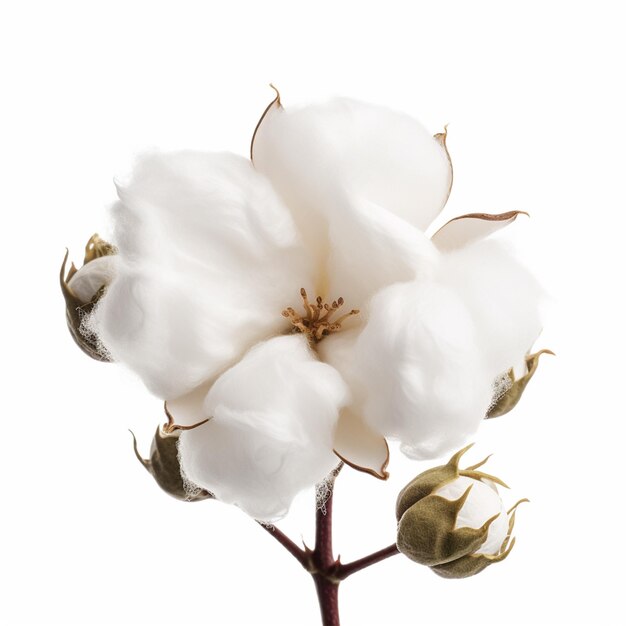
{"type": "Point", "coordinates": [164, 464]}
{"type": "Point", "coordinates": [453, 520]}
{"type": "Point", "coordinates": [83, 288]}
{"type": "Point", "coordinates": [508, 389]}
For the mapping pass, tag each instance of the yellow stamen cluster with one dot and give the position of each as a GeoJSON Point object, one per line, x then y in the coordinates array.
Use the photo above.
{"type": "Point", "coordinates": [317, 320]}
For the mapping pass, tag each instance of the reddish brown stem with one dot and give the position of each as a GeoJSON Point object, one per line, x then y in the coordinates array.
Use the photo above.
{"type": "Point", "coordinates": [327, 572]}
{"type": "Point", "coordinates": [343, 571]}
{"type": "Point", "coordinates": [300, 554]}
{"type": "Point", "coordinates": [328, 598]}
{"type": "Point", "coordinates": [325, 564]}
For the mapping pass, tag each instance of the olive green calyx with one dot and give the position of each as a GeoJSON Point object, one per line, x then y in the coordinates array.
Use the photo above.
{"type": "Point", "coordinates": [164, 465]}
{"type": "Point", "coordinates": [429, 481]}
{"type": "Point", "coordinates": [77, 309]}
{"type": "Point", "coordinates": [472, 564]}
{"type": "Point", "coordinates": [506, 400]}
{"type": "Point", "coordinates": [427, 534]}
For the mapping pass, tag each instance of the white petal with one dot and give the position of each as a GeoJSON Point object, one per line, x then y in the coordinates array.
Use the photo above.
{"type": "Point", "coordinates": [465, 229]}
{"type": "Point", "coordinates": [482, 503]}
{"type": "Point", "coordinates": [271, 432]}
{"type": "Point", "coordinates": [422, 364]}
{"type": "Point", "coordinates": [361, 447]}
{"type": "Point", "coordinates": [371, 248]}
{"type": "Point", "coordinates": [209, 257]}
{"type": "Point", "coordinates": [356, 442]}
{"type": "Point", "coordinates": [381, 155]}
{"type": "Point", "coordinates": [419, 369]}
{"type": "Point", "coordinates": [503, 297]}
{"type": "Point", "coordinates": [86, 282]}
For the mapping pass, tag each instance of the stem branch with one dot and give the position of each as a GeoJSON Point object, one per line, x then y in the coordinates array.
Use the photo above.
{"type": "Point", "coordinates": [343, 571]}
{"type": "Point", "coordinates": [301, 555]}
{"type": "Point", "coordinates": [327, 572]}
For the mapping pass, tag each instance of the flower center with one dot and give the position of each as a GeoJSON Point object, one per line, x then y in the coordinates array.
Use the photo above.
{"type": "Point", "coordinates": [317, 321]}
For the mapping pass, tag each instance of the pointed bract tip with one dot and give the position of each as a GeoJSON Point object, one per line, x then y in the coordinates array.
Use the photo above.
{"type": "Point", "coordinates": [456, 457]}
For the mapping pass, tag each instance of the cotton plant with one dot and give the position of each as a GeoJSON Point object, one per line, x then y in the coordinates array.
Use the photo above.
{"type": "Point", "coordinates": [294, 317]}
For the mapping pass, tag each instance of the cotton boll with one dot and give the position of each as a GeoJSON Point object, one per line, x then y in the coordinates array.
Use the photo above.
{"type": "Point", "coordinates": [420, 369]}
{"type": "Point", "coordinates": [384, 156]}
{"type": "Point", "coordinates": [209, 257]}
{"type": "Point", "coordinates": [503, 298]}
{"type": "Point", "coordinates": [482, 503]}
{"type": "Point", "coordinates": [270, 434]}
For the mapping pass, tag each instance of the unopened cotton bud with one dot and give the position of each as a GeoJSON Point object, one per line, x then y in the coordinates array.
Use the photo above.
{"type": "Point", "coordinates": [508, 389]}
{"type": "Point", "coordinates": [164, 465]}
{"type": "Point", "coordinates": [453, 520]}
{"type": "Point", "coordinates": [82, 289]}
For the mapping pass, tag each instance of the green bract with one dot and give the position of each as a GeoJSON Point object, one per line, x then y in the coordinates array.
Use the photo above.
{"type": "Point", "coordinates": [427, 531]}
{"type": "Point", "coordinates": [512, 388]}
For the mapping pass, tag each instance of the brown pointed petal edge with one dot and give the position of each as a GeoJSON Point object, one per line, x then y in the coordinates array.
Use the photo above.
{"type": "Point", "coordinates": [509, 399]}
{"type": "Point", "coordinates": [465, 229]}
{"type": "Point", "coordinates": [360, 447]}
{"type": "Point", "coordinates": [274, 103]}
{"type": "Point", "coordinates": [441, 138]}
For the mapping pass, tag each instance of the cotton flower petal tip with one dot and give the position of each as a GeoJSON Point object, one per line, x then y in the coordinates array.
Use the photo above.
{"type": "Point", "coordinates": [360, 447]}
{"type": "Point", "coordinates": [383, 156]}
{"type": "Point", "coordinates": [465, 229]}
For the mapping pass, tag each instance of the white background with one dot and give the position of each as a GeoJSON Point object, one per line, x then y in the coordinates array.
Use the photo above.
{"type": "Point", "coordinates": [532, 92]}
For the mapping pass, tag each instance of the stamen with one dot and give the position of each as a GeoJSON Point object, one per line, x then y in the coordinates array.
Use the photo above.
{"type": "Point", "coordinates": [305, 299]}
{"type": "Point", "coordinates": [346, 316]}
{"type": "Point", "coordinates": [316, 322]}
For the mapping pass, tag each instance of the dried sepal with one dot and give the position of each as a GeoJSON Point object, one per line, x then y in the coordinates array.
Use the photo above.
{"type": "Point", "coordinates": [164, 465]}
{"type": "Point", "coordinates": [511, 388]}
{"type": "Point", "coordinates": [77, 308]}
{"type": "Point", "coordinates": [97, 247]}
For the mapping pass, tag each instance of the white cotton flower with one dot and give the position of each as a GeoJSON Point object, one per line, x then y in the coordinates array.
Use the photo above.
{"type": "Point", "coordinates": [296, 302]}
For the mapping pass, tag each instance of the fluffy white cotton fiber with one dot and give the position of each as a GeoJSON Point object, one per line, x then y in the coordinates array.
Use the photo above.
{"type": "Point", "coordinates": [387, 157]}
{"type": "Point", "coordinates": [207, 256]}
{"type": "Point", "coordinates": [271, 430]}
